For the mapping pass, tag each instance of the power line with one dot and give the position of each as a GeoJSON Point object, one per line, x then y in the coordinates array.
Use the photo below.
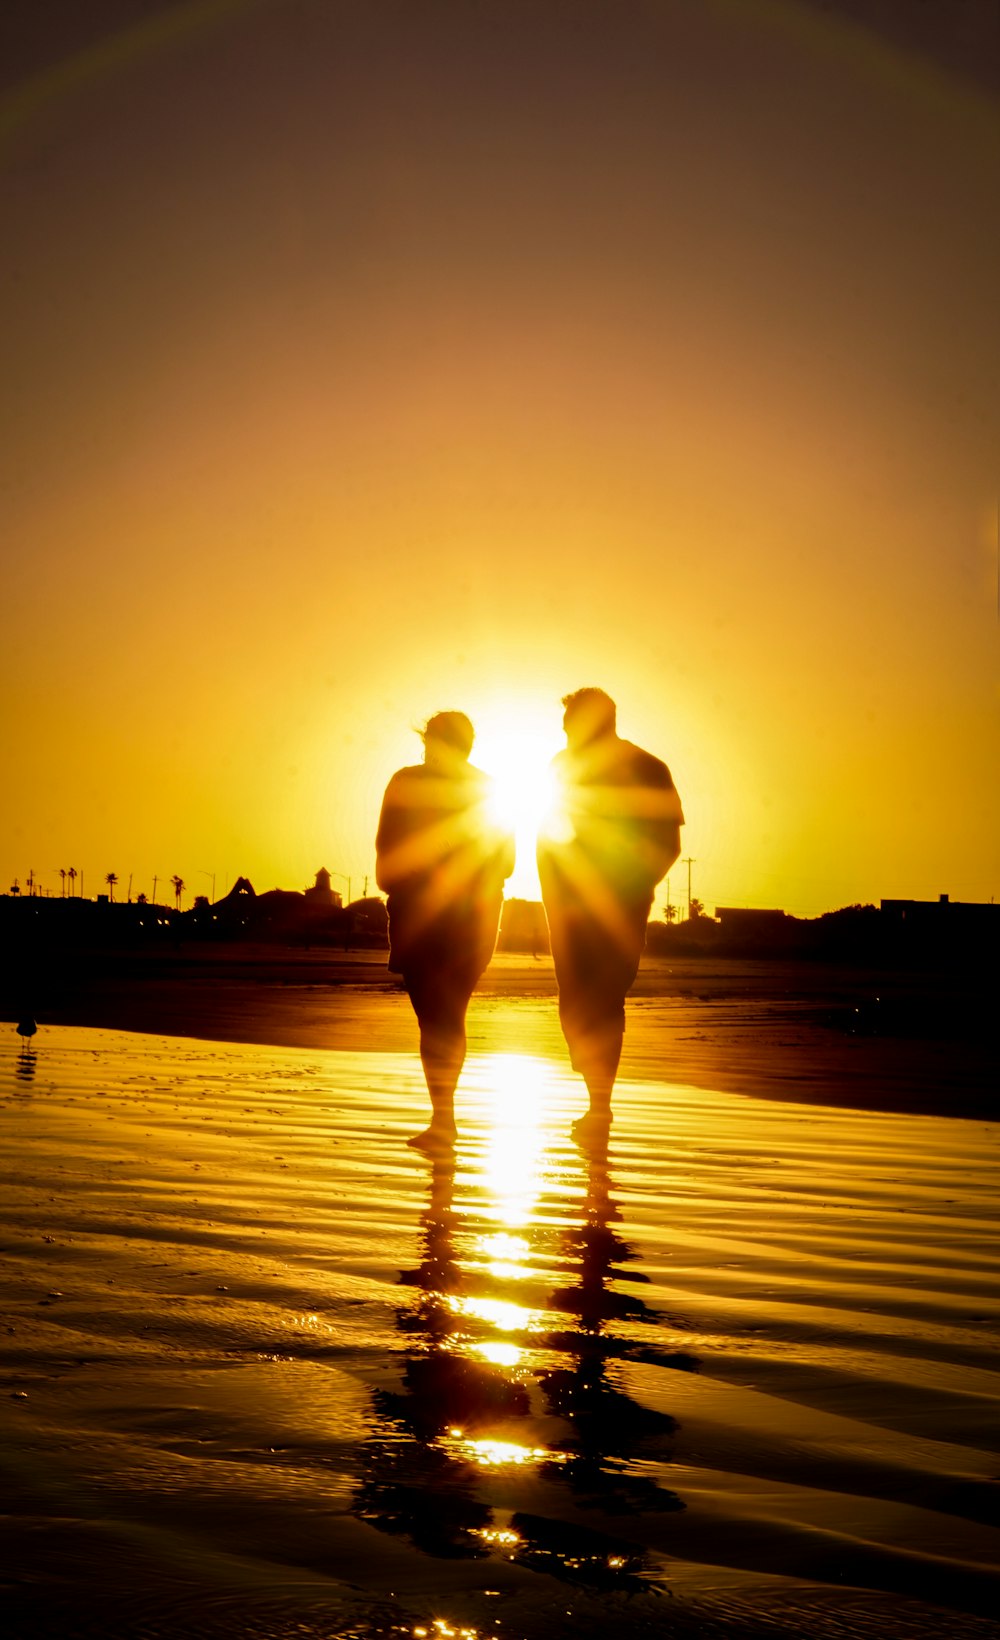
{"type": "Point", "coordinates": [689, 861]}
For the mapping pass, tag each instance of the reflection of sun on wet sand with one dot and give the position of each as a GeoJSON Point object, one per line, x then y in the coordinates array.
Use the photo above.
{"type": "Point", "coordinates": [266, 1372]}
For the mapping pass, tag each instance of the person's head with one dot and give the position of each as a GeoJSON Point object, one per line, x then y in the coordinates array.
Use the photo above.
{"type": "Point", "coordinates": [447, 738]}
{"type": "Point", "coordinates": [588, 715]}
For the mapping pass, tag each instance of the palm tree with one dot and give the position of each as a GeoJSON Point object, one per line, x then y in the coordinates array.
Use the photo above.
{"type": "Point", "coordinates": [178, 886]}
{"type": "Point", "coordinates": [71, 874]}
{"type": "Point", "coordinates": [62, 873]}
{"type": "Point", "coordinates": [111, 879]}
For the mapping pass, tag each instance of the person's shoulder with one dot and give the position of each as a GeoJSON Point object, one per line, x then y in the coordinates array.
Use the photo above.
{"type": "Point", "coordinates": [652, 771]}
{"type": "Point", "coordinates": [405, 777]}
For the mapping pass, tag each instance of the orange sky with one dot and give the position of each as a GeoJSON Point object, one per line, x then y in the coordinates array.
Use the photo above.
{"type": "Point", "coordinates": [363, 361]}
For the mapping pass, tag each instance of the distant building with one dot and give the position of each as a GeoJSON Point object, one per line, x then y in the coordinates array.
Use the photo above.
{"type": "Point", "coordinates": [232, 914]}
{"type": "Point", "coordinates": [942, 930]}
{"type": "Point", "coordinates": [321, 894]}
{"type": "Point", "coordinates": [942, 913]}
{"type": "Point", "coordinates": [740, 919]}
{"type": "Point", "coordinates": [752, 931]}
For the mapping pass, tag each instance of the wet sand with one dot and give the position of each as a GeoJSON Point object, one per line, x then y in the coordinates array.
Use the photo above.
{"type": "Point", "coordinates": [267, 1372]}
{"type": "Point", "coordinates": [810, 1032]}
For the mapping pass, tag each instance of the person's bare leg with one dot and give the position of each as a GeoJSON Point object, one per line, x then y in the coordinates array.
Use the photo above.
{"type": "Point", "coordinates": [594, 1030]}
{"type": "Point", "coordinates": [441, 1017]}
{"type": "Point", "coordinates": [442, 1054]}
{"type": "Point", "coordinates": [599, 1069]}
{"type": "Point", "coordinates": [611, 967]}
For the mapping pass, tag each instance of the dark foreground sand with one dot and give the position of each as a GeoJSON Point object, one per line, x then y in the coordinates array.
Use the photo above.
{"type": "Point", "coordinates": [266, 1373]}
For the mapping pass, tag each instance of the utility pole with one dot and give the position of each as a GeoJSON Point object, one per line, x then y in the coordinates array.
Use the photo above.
{"type": "Point", "coordinates": [689, 861]}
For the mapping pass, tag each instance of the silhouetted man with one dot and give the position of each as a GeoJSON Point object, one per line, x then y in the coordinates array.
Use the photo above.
{"type": "Point", "coordinates": [614, 831]}
{"type": "Point", "coordinates": [442, 860]}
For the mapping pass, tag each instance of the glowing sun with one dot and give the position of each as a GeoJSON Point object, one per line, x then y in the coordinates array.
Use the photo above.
{"type": "Point", "coordinates": [518, 758]}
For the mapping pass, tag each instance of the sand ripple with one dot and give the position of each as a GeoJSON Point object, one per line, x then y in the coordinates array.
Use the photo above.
{"type": "Point", "coordinates": [266, 1372]}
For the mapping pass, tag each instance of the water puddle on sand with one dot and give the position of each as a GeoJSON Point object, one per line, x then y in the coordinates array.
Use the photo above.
{"type": "Point", "coordinates": [267, 1371]}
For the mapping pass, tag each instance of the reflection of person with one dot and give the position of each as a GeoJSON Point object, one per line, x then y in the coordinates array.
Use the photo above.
{"type": "Point", "coordinates": [456, 1402]}
{"type": "Point", "coordinates": [613, 833]}
{"type": "Point", "coordinates": [442, 861]}
{"type": "Point", "coordinates": [609, 1428]}
{"type": "Point", "coordinates": [411, 1482]}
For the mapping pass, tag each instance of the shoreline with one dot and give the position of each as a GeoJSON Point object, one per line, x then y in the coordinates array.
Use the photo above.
{"type": "Point", "coordinates": [813, 1033]}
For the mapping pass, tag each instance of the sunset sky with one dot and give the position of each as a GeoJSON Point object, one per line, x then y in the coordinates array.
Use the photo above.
{"type": "Point", "coordinates": [367, 359]}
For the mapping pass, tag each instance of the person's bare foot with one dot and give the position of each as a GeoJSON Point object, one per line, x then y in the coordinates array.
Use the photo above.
{"type": "Point", "coordinates": [592, 1130]}
{"type": "Point", "coordinates": [433, 1139]}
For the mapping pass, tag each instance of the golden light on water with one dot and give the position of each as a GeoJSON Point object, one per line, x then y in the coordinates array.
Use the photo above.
{"type": "Point", "coordinates": [500, 1355]}
{"type": "Point", "coordinates": [507, 1272]}
{"type": "Point", "coordinates": [498, 1537]}
{"type": "Point", "coordinates": [497, 1312]}
{"type": "Point", "coordinates": [512, 1163]}
{"type": "Point", "coordinates": [440, 1627]}
{"type": "Point", "coordinates": [505, 1257]}
{"type": "Point", "coordinates": [503, 1253]}
{"type": "Point", "coordinates": [490, 1453]}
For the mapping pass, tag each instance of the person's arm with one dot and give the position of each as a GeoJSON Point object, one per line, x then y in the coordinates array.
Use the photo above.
{"type": "Point", "coordinates": [387, 839]}
{"type": "Point", "coordinates": [663, 822]}
{"type": "Point", "coordinates": [667, 847]}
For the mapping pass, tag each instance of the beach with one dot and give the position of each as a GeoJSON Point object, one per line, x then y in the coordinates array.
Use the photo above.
{"type": "Point", "coordinates": [268, 1372]}
{"type": "Point", "coordinates": [835, 1034]}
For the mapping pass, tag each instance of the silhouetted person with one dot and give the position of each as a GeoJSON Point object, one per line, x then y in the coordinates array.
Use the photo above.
{"type": "Point", "coordinates": [614, 831]}
{"type": "Point", "coordinates": [442, 861]}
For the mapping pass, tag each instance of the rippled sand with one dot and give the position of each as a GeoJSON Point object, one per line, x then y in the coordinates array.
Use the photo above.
{"type": "Point", "coordinates": [268, 1373]}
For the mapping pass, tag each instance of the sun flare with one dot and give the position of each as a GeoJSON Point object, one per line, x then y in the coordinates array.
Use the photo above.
{"type": "Point", "coordinates": [518, 756]}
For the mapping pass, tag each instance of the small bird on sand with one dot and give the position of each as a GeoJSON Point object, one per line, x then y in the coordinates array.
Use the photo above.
{"type": "Point", "coordinates": [27, 1029]}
